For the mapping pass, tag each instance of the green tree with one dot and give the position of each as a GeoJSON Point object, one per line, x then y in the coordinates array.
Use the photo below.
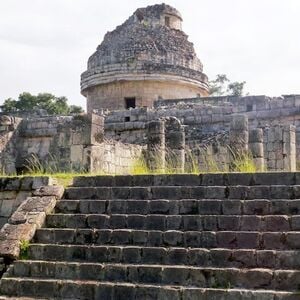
{"type": "Point", "coordinates": [10, 105]}
{"type": "Point", "coordinates": [52, 104]}
{"type": "Point", "coordinates": [217, 87]}
{"type": "Point", "coordinates": [236, 88]}
{"type": "Point", "coordinates": [222, 86]}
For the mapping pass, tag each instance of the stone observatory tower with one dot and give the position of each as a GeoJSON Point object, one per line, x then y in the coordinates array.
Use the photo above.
{"type": "Point", "coordinates": [147, 58]}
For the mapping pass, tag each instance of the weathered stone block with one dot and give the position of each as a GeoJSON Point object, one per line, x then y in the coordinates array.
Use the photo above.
{"type": "Point", "coordinates": [56, 191]}
{"type": "Point", "coordinates": [6, 208]}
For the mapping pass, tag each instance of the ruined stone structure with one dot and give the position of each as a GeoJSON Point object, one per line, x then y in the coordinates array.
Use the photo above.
{"type": "Point", "coordinates": [229, 236]}
{"type": "Point", "coordinates": [62, 143]}
{"type": "Point", "coordinates": [270, 131]}
{"type": "Point", "coordinates": [146, 99]}
{"type": "Point", "coordinates": [145, 59]}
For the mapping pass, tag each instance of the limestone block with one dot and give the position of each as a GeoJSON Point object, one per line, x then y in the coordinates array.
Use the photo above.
{"type": "Point", "coordinates": [239, 123]}
{"type": "Point", "coordinates": [8, 195]}
{"type": "Point", "coordinates": [56, 191]}
{"type": "Point", "coordinates": [21, 232]}
{"type": "Point", "coordinates": [96, 119]}
{"type": "Point", "coordinates": [270, 135]}
{"type": "Point", "coordinates": [38, 204]}
{"type": "Point", "coordinates": [271, 165]}
{"type": "Point", "coordinates": [276, 103]}
{"type": "Point", "coordinates": [206, 119]}
{"type": "Point", "coordinates": [128, 125]}
{"type": "Point", "coordinates": [256, 136]}
{"type": "Point", "coordinates": [143, 117]}
{"type": "Point", "coordinates": [257, 149]}
{"type": "Point", "coordinates": [76, 153]}
{"type": "Point", "coordinates": [77, 138]}
{"type": "Point", "coordinates": [259, 163]}
{"type": "Point", "coordinates": [281, 166]}
{"type": "Point", "coordinates": [272, 156]}
{"type": "Point", "coordinates": [10, 248]}
{"type": "Point", "coordinates": [42, 181]}
{"type": "Point", "coordinates": [26, 183]}
{"type": "Point", "coordinates": [10, 184]}
{"type": "Point", "coordinates": [36, 218]}
{"type": "Point", "coordinates": [297, 101]}
{"type": "Point", "coordinates": [277, 133]}
{"type": "Point", "coordinates": [6, 208]}
{"type": "Point", "coordinates": [217, 118]}
{"type": "Point", "coordinates": [289, 102]}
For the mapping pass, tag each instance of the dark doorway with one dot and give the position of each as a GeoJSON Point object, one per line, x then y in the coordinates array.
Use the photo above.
{"type": "Point", "coordinates": [167, 21]}
{"type": "Point", "coordinates": [130, 102]}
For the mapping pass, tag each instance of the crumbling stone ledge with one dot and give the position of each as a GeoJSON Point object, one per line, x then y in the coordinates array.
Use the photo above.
{"type": "Point", "coordinates": [27, 218]}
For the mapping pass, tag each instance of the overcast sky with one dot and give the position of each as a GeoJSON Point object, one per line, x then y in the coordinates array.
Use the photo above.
{"type": "Point", "coordinates": [45, 44]}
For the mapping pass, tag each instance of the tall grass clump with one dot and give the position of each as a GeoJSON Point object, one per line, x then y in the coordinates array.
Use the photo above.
{"type": "Point", "coordinates": [242, 162]}
{"type": "Point", "coordinates": [191, 163]}
{"type": "Point", "coordinates": [50, 165]}
{"type": "Point", "coordinates": [139, 166]}
{"type": "Point", "coordinates": [174, 159]}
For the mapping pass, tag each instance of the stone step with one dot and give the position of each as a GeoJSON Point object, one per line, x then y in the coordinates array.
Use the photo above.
{"type": "Point", "coordinates": [181, 207]}
{"type": "Point", "coordinates": [185, 192]}
{"type": "Point", "coordinates": [287, 280]}
{"type": "Point", "coordinates": [152, 238]}
{"type": "Point", "coordinates": [20, 298]}
{"type": "Point", "coordinates": [91, 290]}
{"type": "Point", "coordinates": [201, 257]}
{"type": "Point", "coordinates": [176, 222]}
{"type": "Point", "coordinates": [229, 179]}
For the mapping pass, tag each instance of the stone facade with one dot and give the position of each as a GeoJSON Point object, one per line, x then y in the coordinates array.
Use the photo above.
{"type": "Point", "coordinates": [202, 130]}
{"type": "Point", "coordinates": [113, 96]}
{"type": "Point", "coordinates": [62, 143]}
{"type": "Point", "coordinates": [207, 123]}
{"type": "Point", "coordinates": [146, 58]}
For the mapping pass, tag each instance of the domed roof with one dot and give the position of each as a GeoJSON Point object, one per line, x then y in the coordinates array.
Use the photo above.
{"type": "Point", "coordinates": [145, 44]}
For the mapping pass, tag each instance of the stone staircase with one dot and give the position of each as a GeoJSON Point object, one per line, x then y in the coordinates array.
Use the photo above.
{"type": "Point", "coordinates": [179, 237]}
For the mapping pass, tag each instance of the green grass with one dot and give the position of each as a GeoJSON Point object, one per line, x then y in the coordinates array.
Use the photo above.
{"type": "Point", "coordinates": [199, 161]}
{"type": "Point", "coordinates": [139, 167]}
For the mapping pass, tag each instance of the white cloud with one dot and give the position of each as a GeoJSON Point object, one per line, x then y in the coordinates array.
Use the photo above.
{"type": "Point", "coordinates": [45, 44]}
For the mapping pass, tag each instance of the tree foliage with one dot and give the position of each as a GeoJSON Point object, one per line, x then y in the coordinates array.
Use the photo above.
{"type": "Point", "coordinates": [222, 86]}
{"type": "Point", "coordinates": [46, 101]}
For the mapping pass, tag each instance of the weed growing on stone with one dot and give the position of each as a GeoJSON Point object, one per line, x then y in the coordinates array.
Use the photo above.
{"type": "Point", "coordinates": [24, 247]}
{"type": "Point", "coordinates": [139, 167]}
{"type": "Point", "coordinates": [198, 161]}
{"type": "Point", "coordinates": [50, 165]}
{"type": "Point", "coordinates": [242, 162]}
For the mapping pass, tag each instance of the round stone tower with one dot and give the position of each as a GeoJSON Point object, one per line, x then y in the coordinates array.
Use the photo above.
{"type": "Point", "coordinates": [147, 58]}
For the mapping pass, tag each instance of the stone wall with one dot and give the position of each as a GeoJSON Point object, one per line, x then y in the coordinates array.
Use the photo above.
{"type": "Point", "coordinates": [15, 190]}
{"type": "Point", "coordinates": [206, 117]}
{"type": "Point", "coordinates": [63, 143]}
{"type": "Point", "coordinates": [280, 148]}
{"type": "Point", "coordinates": [55, 142]}
{"type": "Point", "coordinates": [8, 143]}
{"type": "Point", "coordinates": [112, 95]}
{"type": "Point", "coordinates": [87, 143]}
{"type": "Point", "coordinates": [239, 149]}
{"type": "Point", "coordinates": [114, 157]}
{"type": "Point", "coordinates": [24, 204]}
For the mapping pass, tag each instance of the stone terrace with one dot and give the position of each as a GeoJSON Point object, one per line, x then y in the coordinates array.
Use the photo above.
{"type": "Point", "coordinates": [185, 237]}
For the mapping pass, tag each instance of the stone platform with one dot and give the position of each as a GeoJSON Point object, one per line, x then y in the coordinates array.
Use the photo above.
{"type": "Point", "coordinates": [179, 237]}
